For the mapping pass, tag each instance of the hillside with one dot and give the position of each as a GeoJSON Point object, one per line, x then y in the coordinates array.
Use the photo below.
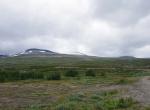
{"type": "Point", "coordinates": [73, 82]}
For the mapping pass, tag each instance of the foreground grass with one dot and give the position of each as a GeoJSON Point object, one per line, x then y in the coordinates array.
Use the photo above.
{"type": "Point", "coordinates": [95, 101]}
{"type": "Point", "coordinates": [69, 83]}
{"type": "Point", "coordinates": [106, 100]}
{"type": "Point", "coordinates": [77, 93]}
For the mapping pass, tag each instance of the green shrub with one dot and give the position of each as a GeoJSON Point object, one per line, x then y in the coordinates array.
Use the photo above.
{"type": "Point", "coordinates": [109, 93]}
{"type": "Point", "coordinates": [147, 108]}
{"type": "Point", "coordinates": [123, 81]}
{"type": "Point", "coordinates": [53, 76]}
{"type": "Point", "coordinates": [13, 75]}
{"type": "Point", "coordinates": [34, 107]}
{"type": "Point", "coordinates": [2, 76]}
{"type": "Point", "coordinates": [24, 75]}
{"type": "Point", "coordinates": [77, 97]}
{"type": "Point", "coordinates": [125, 102]}
{"type": "Point", "coordinates": [66, 106]}
{"type": "Point", "coordinates": [121, 103]}
{"type": "Point", "coordinates": [103, 74]}
{"type": "Point", "coordinates": [9, 75]}
{"type": "Point", "coordinates": [71, 73]}
{"type": "Point", "coordinates": [96, 97]}
{"type": "Point", "coordinates": [98, 106]}
{"type": "Point", "coordinates": [90, 73]}
{"type": "Point", "coordinates": [111, 104]}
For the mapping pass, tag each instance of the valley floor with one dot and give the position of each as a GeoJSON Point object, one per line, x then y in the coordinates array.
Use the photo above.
{"type": "Point", "coordinates": [45, 95]}
{"type": "Point", "coordinates": [67, 83]}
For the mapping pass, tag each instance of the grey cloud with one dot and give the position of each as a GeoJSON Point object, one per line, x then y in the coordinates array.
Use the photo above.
{"type": "Point", "coordinates": [95, 27]}
{"type": "Point", "coordinates": [122, 12]}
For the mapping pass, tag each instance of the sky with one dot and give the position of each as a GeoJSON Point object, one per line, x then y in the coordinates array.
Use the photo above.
{"type": "Point", "coordinates": [106, 28]}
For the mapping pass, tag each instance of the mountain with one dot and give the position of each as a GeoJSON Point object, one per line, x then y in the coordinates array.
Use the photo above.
{"type": "Point", "coordinates": [3, 56]}
{"type": "Point", "coordinates": [78, 53]}
{"type": "Point", "coordinates": [39, 51]}
{"type": "Point", "coordinates": [127, 57]}
{"type": "Point", "coordinates": [36, 52]}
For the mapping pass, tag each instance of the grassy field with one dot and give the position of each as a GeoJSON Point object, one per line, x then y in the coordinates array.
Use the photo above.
{"type": "Point", "coordinates": [70, 83]}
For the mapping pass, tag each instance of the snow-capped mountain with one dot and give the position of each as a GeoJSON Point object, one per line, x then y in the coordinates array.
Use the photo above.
{"type": "Point", "coordinates": [78, 53]}
{"type": "Point", "coordinates": [36, 52]}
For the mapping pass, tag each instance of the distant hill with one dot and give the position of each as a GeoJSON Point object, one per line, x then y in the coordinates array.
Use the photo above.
{"type": "Point", "coordinates": [127, 57]}
{"type": "Point", "coordinates": [3, 56]}
{"type": "Point", "coordinates": [39, 51]}
{"type": "Point", "coordinates": [34, 52]}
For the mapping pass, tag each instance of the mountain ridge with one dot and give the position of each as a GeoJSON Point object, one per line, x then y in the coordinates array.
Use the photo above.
{"type": "Point", "coordinates": [36, 52]}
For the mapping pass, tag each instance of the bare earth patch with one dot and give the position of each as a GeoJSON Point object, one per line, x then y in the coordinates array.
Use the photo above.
{"type": "Point", "coordinates": [21, 95]}
{"type": "Point", "coordinates": [141, 91]}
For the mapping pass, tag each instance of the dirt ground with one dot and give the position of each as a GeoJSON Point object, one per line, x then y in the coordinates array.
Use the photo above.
{"type": "Point", "coordinates": [141, 91]}
{"type": "Point", "coordinates": [19, 95]}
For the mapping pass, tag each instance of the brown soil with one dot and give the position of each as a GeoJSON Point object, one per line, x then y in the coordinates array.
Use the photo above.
{"type": "Point", "coordinates": [141, 91]}
{"type": "Point", "coordinates": [18, 95]}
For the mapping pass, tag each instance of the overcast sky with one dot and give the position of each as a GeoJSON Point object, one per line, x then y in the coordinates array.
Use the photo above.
{"type": "Point", "coordinates": [94, 27]}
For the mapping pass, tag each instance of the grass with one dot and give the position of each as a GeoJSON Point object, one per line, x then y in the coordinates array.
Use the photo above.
{"type": "Point", "coordinates": [90, 73]}
{"type": "Point", "coordinates": [71, 73]}
{"type": "Point", "coordinates": [52, 76]}
{"type": "Point", "coordinates": [69, 83]}
{"type": "Point", "coordinates": [107, 100]}
{"type": "Point", "coordinates": [82, 75]}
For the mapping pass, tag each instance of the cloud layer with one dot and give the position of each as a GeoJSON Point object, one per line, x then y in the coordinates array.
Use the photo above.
{"type": "Point", "coordinates": [95, 27]}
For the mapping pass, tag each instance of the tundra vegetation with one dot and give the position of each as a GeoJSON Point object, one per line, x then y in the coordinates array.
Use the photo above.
{"type": "Point", "coordinates": [70, 83]}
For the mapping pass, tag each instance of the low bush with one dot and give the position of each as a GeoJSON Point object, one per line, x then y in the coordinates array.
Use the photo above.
{"type": "Point", "coordinates": [6, 75]}
{"type": "Point", "coordinates": [2, 76]}
{"type": "Point", "coordinates": [71, 73]}
{"type": "Point", "coordinates": [30, 75]}
{"type": "Point", "coordinates": [124, 81]}
{"type": "Point", "coordinates": [53, 76]}
{"type": "Point", "coordinates": [9, 76]}
{"type": "Point", "coordinates": [103, 74]}
{"type": "Point", "coordinates": [90, 73]}
{"type": "Point", "coordinates": [125, 102]}
{"type": "Point", "coordinates": [66, 106]}
{"type": "Point", "coordinates": [77, 97]}
{"type": "Point", "coordinates": [113, 104]}
{"type": "Point", "coordinates": [109, 93]}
